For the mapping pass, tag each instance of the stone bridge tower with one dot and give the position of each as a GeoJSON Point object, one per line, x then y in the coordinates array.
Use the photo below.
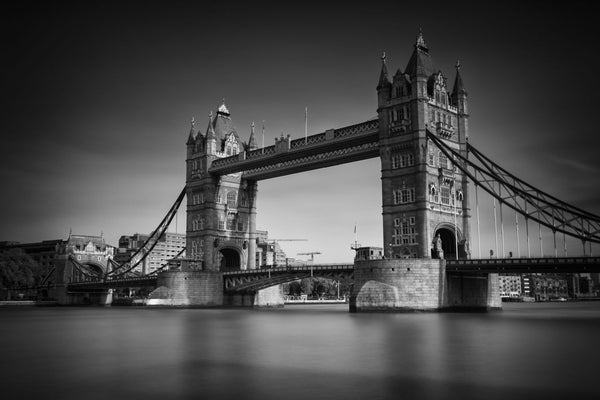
{"type": "Point", "coordinates": [424, 194]}
{"type": "Point", "coordinates": [221, 210]}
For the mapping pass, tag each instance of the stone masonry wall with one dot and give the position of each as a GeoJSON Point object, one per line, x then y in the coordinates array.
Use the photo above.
{"type": "Point", "coordinates": [398, 285]}
{"type": "Point", "coordinates": [190, 288]}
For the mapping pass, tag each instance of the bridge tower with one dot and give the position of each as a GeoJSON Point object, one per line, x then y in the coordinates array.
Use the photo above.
{"type": "Point", "coordinates": [424, 195]}
{"type": "Point", "coordinates": [221, 210]}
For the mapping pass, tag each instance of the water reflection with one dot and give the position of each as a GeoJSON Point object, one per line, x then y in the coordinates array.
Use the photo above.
{"type": "Point", "coordinates": [301, 352]}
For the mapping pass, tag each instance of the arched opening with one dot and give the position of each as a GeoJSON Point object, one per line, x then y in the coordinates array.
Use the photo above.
{"type": "Point", "coordinates": [448, 242]}
{"type": "Point", "coordinates": [230, 259]}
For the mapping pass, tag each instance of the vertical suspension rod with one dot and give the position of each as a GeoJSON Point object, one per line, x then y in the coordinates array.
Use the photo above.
{"type": "Point", "coordinates": [501, 220]}
{"type": "Point", "coordinates": [517, 229]}
{"type": "Point", "coordinates": [527, 231]}
{"type": "Point", "coordinates": [477, 210]}
{"type": "Point", "coordinates": [495, 226]}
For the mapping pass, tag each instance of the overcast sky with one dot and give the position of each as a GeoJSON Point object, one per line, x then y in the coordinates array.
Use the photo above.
{"type": "Point", "coordinates": [97, 99]}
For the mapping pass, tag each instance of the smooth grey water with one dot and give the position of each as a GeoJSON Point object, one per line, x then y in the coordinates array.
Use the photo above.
{"type": "Point", "coordinates": [527, 351]}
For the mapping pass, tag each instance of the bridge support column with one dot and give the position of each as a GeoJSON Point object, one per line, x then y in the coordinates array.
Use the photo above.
{"type": "Point", "coordinates": [410, 284]}
{"type": "Point", "coordinates": [188, 288]}
{"type": "Point", "coordinates": [473, 292]}
{"type": "Point", "coordinates": [252, 191]}
{"type": "Point", "coordinates": [271, 297]}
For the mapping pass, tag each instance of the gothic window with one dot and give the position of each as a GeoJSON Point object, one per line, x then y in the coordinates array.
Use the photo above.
{"type": "Point", "coordinates": [404, 196]}
{"type": "Point", "coordinates": [394, 115]}
{"type": "Point", "coordinates": [395, 161]}
{"type": "Point", "coordinates": [230, 222]}
{"type": "Point", "coordinates": [221, 224]}
{"type": "Point", "coordinates": [231, 199]}
{"type": "Point", "coordinates": [437, 96]}
{"type": "Point", "coordinates": [218, 199]}
{"type": "Point", "coordinates": [244, 201]}
{"type": "Point", "coordinates": [201, 198]}
{"type": "Point", "coordinates": [443, 160]}
{"type": "Point", "coordinates": [240, 226]}
{"type": "Point", "coordinates": [201, 224]}
{"type": "Point", "coordinates": [431, 115]}
{"type": "Point", "coordinates": [431, 158]}
{"type": "Point", "coordinates": [445, 194]}
{"type": "Point", "coordinates": [396, 221]}
{"type": "Point", "coordinates": [194, 225]}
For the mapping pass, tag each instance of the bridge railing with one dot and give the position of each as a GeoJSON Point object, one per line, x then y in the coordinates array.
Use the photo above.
{"type": "Point", "coordinates": [320, 267]}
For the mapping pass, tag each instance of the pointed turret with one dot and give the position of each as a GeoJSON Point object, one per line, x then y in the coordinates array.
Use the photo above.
{"type": "Point", "coordinates": [420, 63]}
{"type": "Point", "coordinates": [210, 130]}
{"type": "Point", "coordinates": [383, 76]}
{"type": "Point", "coordinates": [459, 87]}
{"type": "Point", "coordinates": [384, 87]}
{"type": "Point", "coordinates": [192, 135]}
{"type": "Point", "coordinates": [252, 141]}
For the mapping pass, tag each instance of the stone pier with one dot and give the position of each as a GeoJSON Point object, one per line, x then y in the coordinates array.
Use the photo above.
{"type": "Point", "coordinates": [419, 284]}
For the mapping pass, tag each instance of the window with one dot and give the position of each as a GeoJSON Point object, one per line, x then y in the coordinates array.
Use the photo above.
{"type": "Point", "coordinates": [244, 201]}
{"type": "Point", "coordinates": [443, 160]}
{"type": "Point", "coordinates": [221, 224]}
{"type": "Point", "coordinates": [218, 198]}
{"type": "Point", "coordinates": [231, 223]}
{"type": "Point", "coordinates": [405, 233]}
{"type": "Point", "coordinates": [404, 196]}
{"type": "Point", "coordinates": [431, 158]}
{"type": "Point", "coordinates": [445, 195]}
{"type": "Point", "coordinates": [240, 226]}
{"type": "Point", "coordinates": [231, 199]}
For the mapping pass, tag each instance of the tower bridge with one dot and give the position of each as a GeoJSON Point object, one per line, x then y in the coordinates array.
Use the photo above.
{"type": "Point", "coordinates": [428, 174]}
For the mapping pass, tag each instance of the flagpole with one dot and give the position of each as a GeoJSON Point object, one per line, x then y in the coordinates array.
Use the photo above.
{"type": "Point", "coordinates": [263, 136]}
{"type": "Point", "coordinates": [306, 125]}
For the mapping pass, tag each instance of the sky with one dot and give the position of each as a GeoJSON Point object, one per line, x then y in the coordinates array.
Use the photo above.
{"type": "Point", "coordinates": [97, 99]}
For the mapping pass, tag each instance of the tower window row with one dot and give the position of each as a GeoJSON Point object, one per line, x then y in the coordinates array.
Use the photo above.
{"type": "Point", "coordinates": [403, 160]}
{"type": "Point", "coordinates": [404, 196]}
{"type": "Point", "coordinates": [439, 116]}
{"type": "Point", "coordinates": [405, 231]}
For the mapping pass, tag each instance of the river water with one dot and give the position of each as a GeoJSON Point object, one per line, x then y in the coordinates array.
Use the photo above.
{"type": "Point", "coordinates": [526, 351]}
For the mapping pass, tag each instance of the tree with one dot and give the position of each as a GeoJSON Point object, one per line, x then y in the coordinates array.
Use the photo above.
{"type": "Point", "coordinates": [17, 269]}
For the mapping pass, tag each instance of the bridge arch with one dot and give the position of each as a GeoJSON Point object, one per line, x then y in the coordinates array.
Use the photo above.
{"type": "Point", "coordinates": [448, 233]}
{"type": "Point", "coordinates": [230, 258]}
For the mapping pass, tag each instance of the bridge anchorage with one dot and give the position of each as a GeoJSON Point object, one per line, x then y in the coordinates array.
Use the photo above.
{"type": "Point", "coordinates": [428, 173]}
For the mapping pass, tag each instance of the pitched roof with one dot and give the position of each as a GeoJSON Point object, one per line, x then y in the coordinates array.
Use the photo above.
{"type": "Point", "coordinates": [420, 62]}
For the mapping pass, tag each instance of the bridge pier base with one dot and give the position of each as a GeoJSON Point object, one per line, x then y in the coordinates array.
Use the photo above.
{"type": "Point", "coordinates": [473, 292]}
{"type": "Point", "coordinates": [188, 288]}
{"type": "Point", "coordinates": [98, 298]}
{"type": "Point", "coordinates": [271, 297]}
{"type": "Point", "coordinates": [406, 284]}
{"type": "Point", "coordinates": [420, 284]}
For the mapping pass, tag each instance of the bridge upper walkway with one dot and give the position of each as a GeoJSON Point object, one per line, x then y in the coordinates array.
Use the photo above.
{"type": "Point", "coordinates": [332, 147]}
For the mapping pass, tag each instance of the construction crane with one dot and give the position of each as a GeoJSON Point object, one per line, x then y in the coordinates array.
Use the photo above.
{"type": "Point", "coordinates": [311, 254]}
{"type": "Point", "coordinates": [286, 240]}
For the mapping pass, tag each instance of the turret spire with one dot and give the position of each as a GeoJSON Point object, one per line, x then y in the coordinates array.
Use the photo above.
{"type": "Point", "coordinates": [252, 140]}
{"type": "Point", "coordinates": [192, 136]}
{"type": "Point", "coordinates": [459, 87]}
{"type": "Point", "coordinates": [383, 76]}
{"type": "Point", "coordinates": [210, 131]}
{"type": "Point", "coordinates": [421, 42]}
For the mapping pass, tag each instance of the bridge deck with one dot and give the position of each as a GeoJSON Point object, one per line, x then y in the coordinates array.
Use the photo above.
{"type": "Point", "coordinates": [257, 279]}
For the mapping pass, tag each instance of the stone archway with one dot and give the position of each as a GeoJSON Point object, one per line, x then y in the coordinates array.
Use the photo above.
{"type": "Point", "coordinates": [230, 259]}
{"type": "Point", "coordinates": [447, 235]}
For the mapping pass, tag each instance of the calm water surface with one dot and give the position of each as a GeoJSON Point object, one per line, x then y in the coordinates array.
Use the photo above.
{"type": "Point", "coordinates": [527, 351]}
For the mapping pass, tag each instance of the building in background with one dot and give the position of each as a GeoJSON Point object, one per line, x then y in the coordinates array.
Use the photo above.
{"type": "Point", "coordinates": [268, 252]}
{"type": "Point", "coordinates": [167, 248]}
